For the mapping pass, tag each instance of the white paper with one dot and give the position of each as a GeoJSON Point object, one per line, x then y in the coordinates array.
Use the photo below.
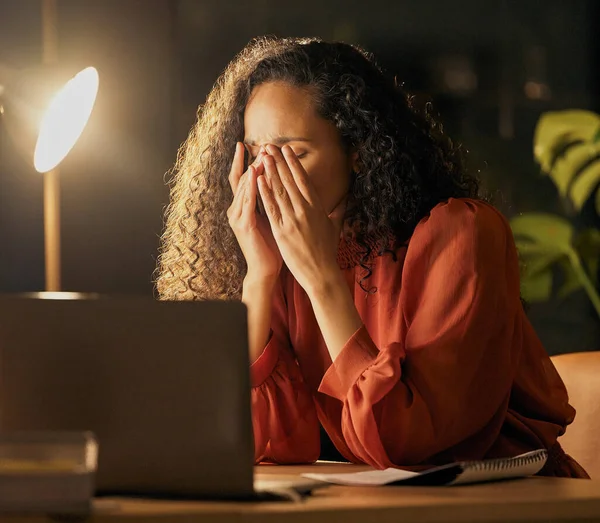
{"type": "Point", "coordinates": [526, 464]}
{"type": "Point", "coordinates": [366, 478]}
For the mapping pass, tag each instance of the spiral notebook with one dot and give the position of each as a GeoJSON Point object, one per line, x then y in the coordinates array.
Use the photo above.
{"type": "Point", "coordinates": [452, 474]}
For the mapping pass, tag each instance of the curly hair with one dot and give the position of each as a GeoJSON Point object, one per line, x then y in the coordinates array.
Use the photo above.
{"type": "Point", "coordinates": [406, 163]}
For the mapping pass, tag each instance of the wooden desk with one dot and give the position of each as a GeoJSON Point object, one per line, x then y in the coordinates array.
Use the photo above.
{"type": "Point", "coordinates": [531, 499]}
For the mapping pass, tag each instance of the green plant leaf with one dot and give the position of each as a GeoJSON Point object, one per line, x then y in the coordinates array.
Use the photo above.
{"type": "Point", "coordinates": [585, 184]}
{"type": "Point", "coordinates": [543, 231]}
{"type": "Point", "coordinates": [536, 260]}
{"type": "Point", "coordinates": [536, 273]}
{"type": "Point", "coordinates": [577, 173]}
{"type": "Point", "coordinates": [536, 287]}
{"type": "Point", "coordinates": [572, 281]}
{"type": "Point", "coordinates": [555, 129]}
{"type": "Point", "coordinates": [544, 240]}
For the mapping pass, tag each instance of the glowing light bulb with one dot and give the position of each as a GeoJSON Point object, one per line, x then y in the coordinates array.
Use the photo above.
{"type": "Point", "coordinates": [65, 119]}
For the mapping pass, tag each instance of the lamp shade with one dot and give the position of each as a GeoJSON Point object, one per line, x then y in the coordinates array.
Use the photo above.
{"type": "Point", "coordinates": [45, 110]}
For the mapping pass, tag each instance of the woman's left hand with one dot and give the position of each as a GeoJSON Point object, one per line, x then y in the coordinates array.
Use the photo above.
{"type": "Point", "coordinates": [306, 235]}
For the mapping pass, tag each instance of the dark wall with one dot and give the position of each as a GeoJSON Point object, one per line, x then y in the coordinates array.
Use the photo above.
{"type": "Point", "coordinates": [21, 226]}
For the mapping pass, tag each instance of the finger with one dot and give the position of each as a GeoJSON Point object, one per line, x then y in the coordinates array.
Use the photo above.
{"type": "Point", "coordinates": [300, 177]}
{"type": "Point", "coordinates": [286, 176]}
{"type": "Point", "coordinates": [260, 165]}
{"type": "Point", "coordinates": [270, 203]}
{"type": "Point", "coordinates": [237, 166]}
{"type": "Point", "coordinates": [261, 172]}
{"type": "Point", "coordinates": [235, 210]}
{"type": "Point", "coordinates": [257, 163]}
{"type": "Point", "coordinates": [277, 189]}
{"type": "Point", "coordinates": [249, 200]}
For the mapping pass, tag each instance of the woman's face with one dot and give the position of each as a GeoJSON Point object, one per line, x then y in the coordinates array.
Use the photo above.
{"type": "Point", "coordinates": [279, 113]}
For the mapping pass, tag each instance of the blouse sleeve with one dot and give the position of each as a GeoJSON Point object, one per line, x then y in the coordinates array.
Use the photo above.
{"type": "Point", "coordinates": [447, 375]}
{"type": "Point", "coordinates": [286, 428]}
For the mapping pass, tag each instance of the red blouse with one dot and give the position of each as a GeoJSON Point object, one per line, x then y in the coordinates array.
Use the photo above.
{"type": "Point", "coordinates": [446, 366]}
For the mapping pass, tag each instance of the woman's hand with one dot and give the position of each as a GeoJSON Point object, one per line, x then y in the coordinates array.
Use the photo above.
{"type": "Point", "coordinates": [307, 237]}
{"type": "Point", "coordinates": [251, 229]}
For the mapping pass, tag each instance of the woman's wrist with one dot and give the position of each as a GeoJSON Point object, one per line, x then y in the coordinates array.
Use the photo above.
{"type": "Point", "coordinates": [329, 281]}
{"type": "Point", "coordinates": [257, 281]}
{"type": "Point", "coordinates": [334, 310]}
{"type": "Point", "coordinates": [257, 294]}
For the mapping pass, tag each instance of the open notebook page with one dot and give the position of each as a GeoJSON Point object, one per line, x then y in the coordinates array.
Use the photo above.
{"type": "Point", "coordinates": [523, 465]}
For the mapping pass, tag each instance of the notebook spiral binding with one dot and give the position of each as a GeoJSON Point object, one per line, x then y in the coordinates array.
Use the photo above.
{"type": "Point", "coordinates": [507, 463]}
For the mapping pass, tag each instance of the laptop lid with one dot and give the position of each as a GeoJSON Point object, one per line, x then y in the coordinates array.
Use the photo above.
{"type": "Point", "coordinates": [163, 385]}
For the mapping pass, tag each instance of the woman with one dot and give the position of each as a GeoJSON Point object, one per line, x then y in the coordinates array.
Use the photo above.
{"type": "Point", "coordinates": [382, 293]}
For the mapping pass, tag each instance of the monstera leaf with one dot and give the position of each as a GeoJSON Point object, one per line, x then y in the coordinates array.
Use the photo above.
{"type": "Point", "coordinates": [545, 241]}
{"type": "Point", "coordinates": [567, 147]}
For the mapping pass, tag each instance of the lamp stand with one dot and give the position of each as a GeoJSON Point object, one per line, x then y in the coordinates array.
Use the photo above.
{"type": "Point", "coordinates": [51, 178]}
{"type": "Point", "coordinates": [52, 229]}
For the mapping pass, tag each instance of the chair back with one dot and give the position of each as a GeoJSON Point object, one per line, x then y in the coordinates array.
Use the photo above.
{"type": "Point", "coordinates": [580, 372]}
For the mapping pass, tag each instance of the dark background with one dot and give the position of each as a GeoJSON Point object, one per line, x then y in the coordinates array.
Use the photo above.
{"type": "Point", "coordinates": [491, 67]}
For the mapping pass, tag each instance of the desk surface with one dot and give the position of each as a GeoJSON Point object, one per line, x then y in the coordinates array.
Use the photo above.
{"type": "Point", "coordinates": [530, 499]}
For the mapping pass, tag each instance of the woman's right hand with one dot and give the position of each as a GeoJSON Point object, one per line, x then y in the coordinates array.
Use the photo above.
{"type": "Point", "coordinates": [251, 229]}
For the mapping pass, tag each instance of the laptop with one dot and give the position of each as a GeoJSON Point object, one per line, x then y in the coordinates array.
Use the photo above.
{"type": "Point", "coordinates": [164, 386]}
